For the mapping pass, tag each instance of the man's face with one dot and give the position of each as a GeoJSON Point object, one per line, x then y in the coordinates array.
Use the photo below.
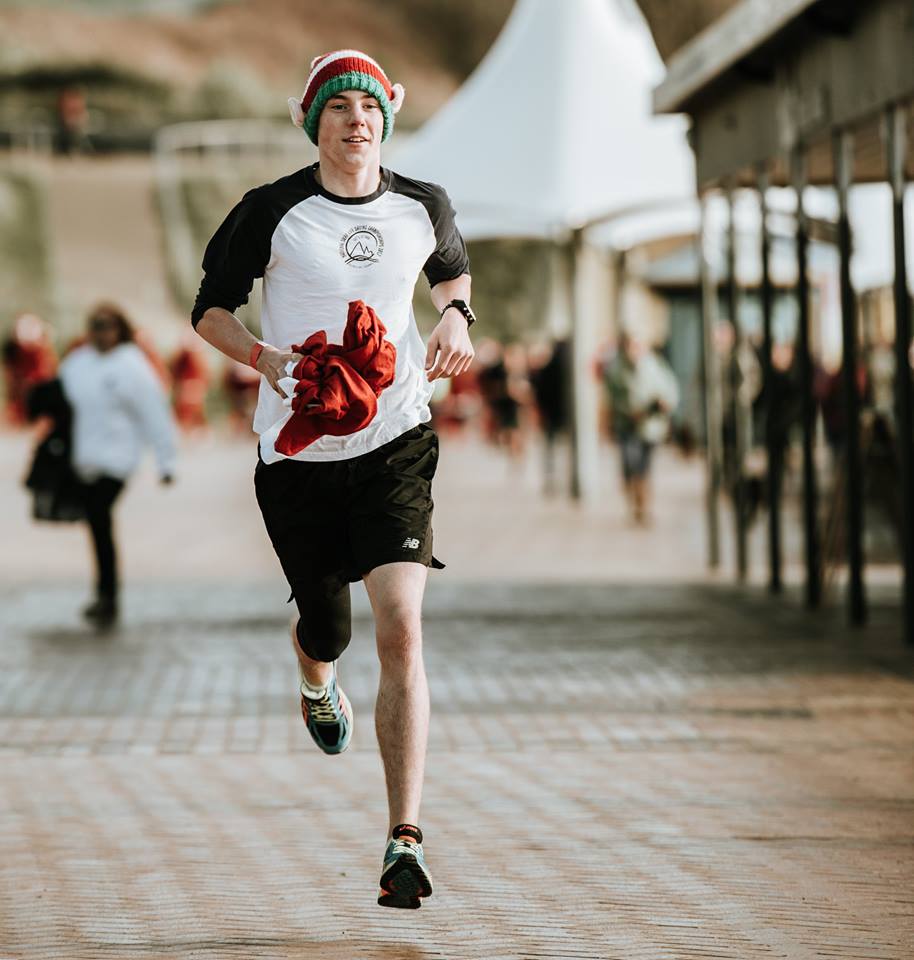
{"type": "Point", "coordinates": [350, 130]}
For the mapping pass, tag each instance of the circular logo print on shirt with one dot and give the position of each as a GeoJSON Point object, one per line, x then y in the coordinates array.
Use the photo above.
{"type": "Point", "coordinates": [361, 246]}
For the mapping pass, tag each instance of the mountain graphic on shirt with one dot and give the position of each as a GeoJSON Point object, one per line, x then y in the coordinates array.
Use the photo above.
{"type": "Point", "coordinates": [362, 245]}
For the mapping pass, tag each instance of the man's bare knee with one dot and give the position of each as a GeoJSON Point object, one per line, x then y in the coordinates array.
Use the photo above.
{"type": "Point", "coordinates": [399, 639]}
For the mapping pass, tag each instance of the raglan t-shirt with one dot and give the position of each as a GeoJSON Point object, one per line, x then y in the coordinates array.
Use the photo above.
{"type": "Point", "coordinates": [316, 252]}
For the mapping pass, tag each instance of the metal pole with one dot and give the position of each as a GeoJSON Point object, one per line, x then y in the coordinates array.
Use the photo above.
{"type": "Point", "coordinates": [736, 412]}
{"type": "Point", "coordinates": [710, 380]}
{"type": "Point", "coordinates": [585, 470]}
{"type": "Point", "coordinates": [904, 396]}
{"type": "Point", "coordinates": [843, 145]}
{"type": "Point", "coordinates": [808, 406]}
{"type": "Point", "coordinates": [772, 399]}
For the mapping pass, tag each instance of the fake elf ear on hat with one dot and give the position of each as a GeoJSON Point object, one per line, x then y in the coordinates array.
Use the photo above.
{"type": "Point", "coordinates": [332, 73]}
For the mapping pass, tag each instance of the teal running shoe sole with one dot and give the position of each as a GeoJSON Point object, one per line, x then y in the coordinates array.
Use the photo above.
{"type": "Point", "coordinates": [405, 879]}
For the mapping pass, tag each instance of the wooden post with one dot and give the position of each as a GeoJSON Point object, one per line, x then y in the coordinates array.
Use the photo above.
{"type": "Point", "coordinates": [843, 146]}
{"type": "Point", "coordinates": [773, 411]}
{"type": "Point", "coordinates": [904, 395]}
{"type": "Point", "coordinates": [808, 407]}
{"type": "Point", "coordinates": [710, 379]}
{"type": "Point", "coordinates": [737, 411]}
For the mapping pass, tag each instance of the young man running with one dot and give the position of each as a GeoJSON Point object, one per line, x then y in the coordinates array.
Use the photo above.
{"type": "Point", "coordinates": [346, 456]}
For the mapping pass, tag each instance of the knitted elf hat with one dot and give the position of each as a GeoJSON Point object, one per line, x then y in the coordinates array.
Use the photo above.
{"type": "Point", "coordinates": [332, 73]}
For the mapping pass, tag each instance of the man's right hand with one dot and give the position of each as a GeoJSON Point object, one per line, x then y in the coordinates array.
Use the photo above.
{"type": "Point", "coordinates": [272, 364]}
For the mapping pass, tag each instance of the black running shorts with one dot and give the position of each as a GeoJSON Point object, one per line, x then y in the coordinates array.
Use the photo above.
{"type": "Point", "coordinates": [331, 521]}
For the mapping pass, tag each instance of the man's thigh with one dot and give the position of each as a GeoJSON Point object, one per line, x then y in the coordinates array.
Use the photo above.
{"type": "Point", "coordinates": [306, 524]}
{"type": "Point", "coordinates": [390, 502]}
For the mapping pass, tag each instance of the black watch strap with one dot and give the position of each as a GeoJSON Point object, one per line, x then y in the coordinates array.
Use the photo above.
{"type": "Point", "coordinates": [464, 308]}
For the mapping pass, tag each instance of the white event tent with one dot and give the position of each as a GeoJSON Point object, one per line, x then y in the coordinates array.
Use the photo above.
{"type": "Point", "coordinates": [553, 132]}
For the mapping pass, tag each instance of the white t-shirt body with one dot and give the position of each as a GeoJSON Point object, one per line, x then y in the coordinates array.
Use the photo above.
{"type": "Point", "coordinates": [318, 252]}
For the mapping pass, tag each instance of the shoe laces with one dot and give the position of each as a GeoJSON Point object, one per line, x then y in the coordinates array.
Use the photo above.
{"type": "Point", "coordinates": [323, 710]}
{"type": "Point", "coordinates": [404, 846]}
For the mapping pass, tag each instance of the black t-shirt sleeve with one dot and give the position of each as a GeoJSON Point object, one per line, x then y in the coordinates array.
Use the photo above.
{"type": "Point", "coordinates": [449, 259]}
{"type": "Point", "coordinates": [235, 257]}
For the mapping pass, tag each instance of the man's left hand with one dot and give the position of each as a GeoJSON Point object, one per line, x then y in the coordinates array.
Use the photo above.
{"type": "Point", "coordinates": [450, 344]}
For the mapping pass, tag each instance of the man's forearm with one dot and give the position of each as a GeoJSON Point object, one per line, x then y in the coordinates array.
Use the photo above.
{"type": "Point", "coordinates": [227, 333]}
{"type": "Point", "coordinates": [447, 290]}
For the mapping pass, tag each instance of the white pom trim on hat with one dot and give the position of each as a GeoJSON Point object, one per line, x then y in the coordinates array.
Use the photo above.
{"type": "Point", "coordinates": [398, 95]}
{"type": "Point", "coordinates": [296, 112]}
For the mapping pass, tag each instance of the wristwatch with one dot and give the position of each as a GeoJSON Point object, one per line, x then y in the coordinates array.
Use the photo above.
{"type": "Point", "coordinates": [464, 308]}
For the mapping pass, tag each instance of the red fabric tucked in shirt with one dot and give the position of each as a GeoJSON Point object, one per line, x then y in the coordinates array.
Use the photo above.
{"type": "Point", "coordinates": [339, 384]}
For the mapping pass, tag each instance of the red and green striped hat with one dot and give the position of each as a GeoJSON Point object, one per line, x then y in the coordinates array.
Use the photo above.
{"type": "Point", "coordinates": [332, 73]}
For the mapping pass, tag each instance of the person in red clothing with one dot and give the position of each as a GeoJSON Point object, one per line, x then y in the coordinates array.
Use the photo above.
{"type": "Point", "coordinates": [241, 384]}
{"type": "Point", "coordinates": [28, 359]}
{"type": "Point", "coordinates": [346, 456]}
{"type": "Point", "coordinates": [189, 377]}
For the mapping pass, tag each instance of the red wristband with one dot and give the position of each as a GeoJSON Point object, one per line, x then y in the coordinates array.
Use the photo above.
{"type": "Point", "coordinates": [256, 351]}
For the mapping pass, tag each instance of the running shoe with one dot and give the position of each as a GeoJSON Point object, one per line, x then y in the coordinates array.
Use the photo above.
{"type": "Point", "coordinates": [328, 717]}
{"type": "Point", "coordinates": [404, 877]}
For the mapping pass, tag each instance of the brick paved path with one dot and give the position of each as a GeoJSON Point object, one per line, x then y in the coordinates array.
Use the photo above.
{"type": "Point", "coordinates": [614, 771]}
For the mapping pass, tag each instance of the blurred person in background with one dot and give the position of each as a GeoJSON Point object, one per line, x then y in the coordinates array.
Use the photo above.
{"type": "Point", "coordinates": [776, 413]}
{"type": "Point", "coordinates": [643, 393]}
{"type": "Point", "coordinates": [118, 406]}
{"type": "Point", "coordinates": [346, 456]}
{"type": "Point", "coordinates": [241, 384]}
{"type": "Point", "coordinates": [551, 389]}
{"type": "Point", "coordinates": [828, 390]}
{"type": "Point", "coordinates": [517, 362]}
{"type": "Point", "coordinates": [146, 343]}
{"type": "Point", "coordinates": [28, 359]}
{"type": "Point", "coordinates": [460, 404]}
{"type": "Point", "coordinates": [190, 379]}
{"type": "Point", "coordinates": [740, 386]}
{"type": "Point", "coordinates": [880, 366]}
{"type": "Point", "coordinates": [501, 388]}
{"type": "Point", "coordinates": [72, 122]}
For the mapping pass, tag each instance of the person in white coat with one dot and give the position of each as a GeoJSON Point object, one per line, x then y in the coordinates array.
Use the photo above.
{"type": "Point", "coordinates": [643, 393]}
{"type": "Point", "coordinates": [119, 406]}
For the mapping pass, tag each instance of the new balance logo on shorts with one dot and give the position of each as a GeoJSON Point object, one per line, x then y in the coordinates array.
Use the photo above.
{"type": "Point", "coordinates": [410, 543]}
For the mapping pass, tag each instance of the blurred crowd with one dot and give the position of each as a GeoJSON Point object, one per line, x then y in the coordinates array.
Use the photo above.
{"type": "Point", "coordinates": [30, 357]}
{"type": "Point", "coordinates": [772, 408]}
{"type": "Point", "coordinates": [516, 397]}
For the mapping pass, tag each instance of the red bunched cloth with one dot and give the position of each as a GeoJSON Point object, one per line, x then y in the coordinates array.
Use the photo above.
{"type": "Point", "coordinates": [338, 384]}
